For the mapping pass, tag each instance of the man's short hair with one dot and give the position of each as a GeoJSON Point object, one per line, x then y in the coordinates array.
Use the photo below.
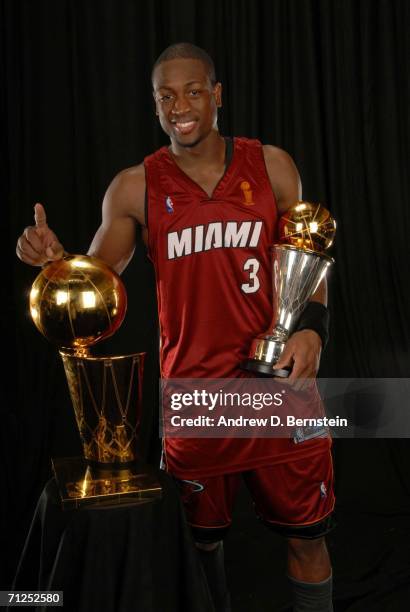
{"type": "Point", "coordinates": [184, 50]}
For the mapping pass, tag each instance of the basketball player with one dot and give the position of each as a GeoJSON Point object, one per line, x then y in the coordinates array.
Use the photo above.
{"type": "Point", "coordinates": [209, 207]}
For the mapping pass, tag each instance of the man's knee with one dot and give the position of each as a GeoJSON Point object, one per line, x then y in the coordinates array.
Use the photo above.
{"type": "Point", "coordinates": [208, 546]}
{"type": "Point", "coordinates": [303, 549]}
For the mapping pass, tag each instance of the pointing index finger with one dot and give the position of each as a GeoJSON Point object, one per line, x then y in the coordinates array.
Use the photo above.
{"type": "Point", "coordinates": [40, 215]}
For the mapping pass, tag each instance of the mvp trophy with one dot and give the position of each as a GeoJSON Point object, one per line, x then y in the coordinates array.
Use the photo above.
{"type": "Point", "coordinates": [76, 302]}
{"type": "Point", "coordinates": [298, 265]}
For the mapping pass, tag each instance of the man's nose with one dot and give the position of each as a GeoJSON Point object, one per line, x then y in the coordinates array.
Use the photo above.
{"type": "Point", "coordinates": [181, 105]}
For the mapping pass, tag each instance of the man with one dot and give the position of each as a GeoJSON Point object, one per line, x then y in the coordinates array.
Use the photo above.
{"type": "Point", "coordinates": [213, 291]}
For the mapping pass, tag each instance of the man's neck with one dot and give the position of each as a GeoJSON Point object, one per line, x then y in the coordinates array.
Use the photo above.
{"type": "Point", "coordinates": [211, 150]}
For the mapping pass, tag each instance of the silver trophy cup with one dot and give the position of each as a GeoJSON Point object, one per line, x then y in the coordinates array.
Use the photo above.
{"type": "Point", "coordinates": [296, 276]}
{"type": "Point", "coordinates": [298, 266]}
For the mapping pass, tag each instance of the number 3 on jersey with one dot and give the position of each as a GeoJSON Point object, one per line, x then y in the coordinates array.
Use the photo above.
{"type": "Point", "coordinates": [251, 266]}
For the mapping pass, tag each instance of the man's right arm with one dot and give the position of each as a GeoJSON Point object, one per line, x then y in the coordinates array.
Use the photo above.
{"type": "Point", "coordinates": [123, 208]}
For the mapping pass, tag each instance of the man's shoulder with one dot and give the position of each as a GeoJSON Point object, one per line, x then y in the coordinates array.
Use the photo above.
{"type": "Point", "coordinates": [126, 193]}
{"type": "Point", "coordinates": [277, 156]}
{"type": "Point", "coordinates": [132, 174]}
{"type": "Point", "coordinates": [130, 181]}
{"type": "Point", "coordinates": [279, 164]}
{"type": "Point", "coordinates": [283, 175]}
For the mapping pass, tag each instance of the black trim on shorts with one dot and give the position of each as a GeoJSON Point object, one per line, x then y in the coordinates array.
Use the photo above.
{"type": "Point", "coordinates": [304, 532]}
{"type": "Point", "coordinates": [209, 535]}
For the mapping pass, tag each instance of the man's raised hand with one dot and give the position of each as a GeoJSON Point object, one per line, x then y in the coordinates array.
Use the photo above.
{"type": "Point", "coordinates": [38, 243]}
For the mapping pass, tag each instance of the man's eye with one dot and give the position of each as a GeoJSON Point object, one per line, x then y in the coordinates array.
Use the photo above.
{"type": "Point", "coordinates": [165, 98]}
{"type": "Point", "coordinates": [195, 92]}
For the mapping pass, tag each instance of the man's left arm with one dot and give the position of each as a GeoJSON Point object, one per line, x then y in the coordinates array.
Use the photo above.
{"type": "Point", "coordinates": [303, 349]}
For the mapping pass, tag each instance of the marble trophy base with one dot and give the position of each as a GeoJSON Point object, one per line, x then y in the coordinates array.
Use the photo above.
{"type": "Point", "coordinates": [81, 483]}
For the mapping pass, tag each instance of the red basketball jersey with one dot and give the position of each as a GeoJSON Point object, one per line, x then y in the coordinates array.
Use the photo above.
{"type": "Point", "coordinates": [214, 285]}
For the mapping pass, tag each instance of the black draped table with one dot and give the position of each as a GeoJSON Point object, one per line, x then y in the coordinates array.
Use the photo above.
{"type": "Point", "coordinates": [124, 558]}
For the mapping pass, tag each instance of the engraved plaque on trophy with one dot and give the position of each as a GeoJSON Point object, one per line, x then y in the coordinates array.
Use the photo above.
{"type": "Point", "coordinates": [299, 263]}
{"type": "Point", "coordinates": [76, 302]}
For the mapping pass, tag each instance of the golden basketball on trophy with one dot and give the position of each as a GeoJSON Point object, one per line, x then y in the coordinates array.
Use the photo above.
{"type": "Point", "coordinates": [307, 226]}
{"type": "Point", "coordinates": [76, 302]}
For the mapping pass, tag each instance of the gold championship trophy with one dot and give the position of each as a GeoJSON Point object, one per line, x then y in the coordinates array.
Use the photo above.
{"type": "Point", "coordinates": [299, 263]}
{"type": "Point", "coordinates": [76, 302]}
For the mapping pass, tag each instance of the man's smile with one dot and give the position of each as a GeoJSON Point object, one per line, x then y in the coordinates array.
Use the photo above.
{"type": "Point", "coordinates": [184, 127]}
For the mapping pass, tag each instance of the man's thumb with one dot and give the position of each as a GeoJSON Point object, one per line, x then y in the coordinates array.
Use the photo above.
{"type": "Point", "coordinates": [40, 217]}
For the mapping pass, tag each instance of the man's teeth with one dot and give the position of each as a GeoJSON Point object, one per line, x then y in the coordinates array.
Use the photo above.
{"type": "Point", "coordinates": [185, 124]}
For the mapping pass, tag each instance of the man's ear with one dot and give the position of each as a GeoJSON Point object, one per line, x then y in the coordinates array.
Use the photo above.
{"type": "Point", "coordinates": [218, 94]}
{"type": "Point", "coordinates": [155, 103]}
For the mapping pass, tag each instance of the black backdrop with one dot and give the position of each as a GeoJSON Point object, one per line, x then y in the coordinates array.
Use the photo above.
{"type": "Point", "coordinates": [327, 80]}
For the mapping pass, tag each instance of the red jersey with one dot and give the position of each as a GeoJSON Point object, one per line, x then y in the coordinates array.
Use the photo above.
{"type": "Point", "coordinates": [214, 288]}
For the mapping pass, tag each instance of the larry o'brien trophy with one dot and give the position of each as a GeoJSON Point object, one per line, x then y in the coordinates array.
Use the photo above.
{"type": "Point", "coordinates": [299, 263]}
{"type": "Point", "coordinates": [76, 302]}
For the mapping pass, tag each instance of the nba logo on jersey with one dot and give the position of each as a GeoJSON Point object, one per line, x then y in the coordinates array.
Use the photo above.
{"type": "Point", "coordinates": [169, 205]}
{"type": "Point", "coordinates": [323, 490]}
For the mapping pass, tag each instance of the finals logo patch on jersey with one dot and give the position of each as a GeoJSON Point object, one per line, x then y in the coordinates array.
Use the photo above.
{"type": "Point", "coordinates": [169, 205]}
{"type": "Point", "coordinates": [247, 193]}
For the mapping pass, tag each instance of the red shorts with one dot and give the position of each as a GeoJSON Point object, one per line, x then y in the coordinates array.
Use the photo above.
{"type": "Point", "coordinates": [294, 498]}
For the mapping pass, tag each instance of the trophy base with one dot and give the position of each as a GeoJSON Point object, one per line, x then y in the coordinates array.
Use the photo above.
{"type": "Point", "coordinates": [265, 351]}
{"type": "Point", "coordinates": [263, 368]}
{"type": "Point", "coordinates": [81, 484]}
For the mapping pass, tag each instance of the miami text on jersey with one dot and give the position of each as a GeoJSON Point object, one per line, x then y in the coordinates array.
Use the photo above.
{"type": "Point", "coordinates": [215, 235]}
